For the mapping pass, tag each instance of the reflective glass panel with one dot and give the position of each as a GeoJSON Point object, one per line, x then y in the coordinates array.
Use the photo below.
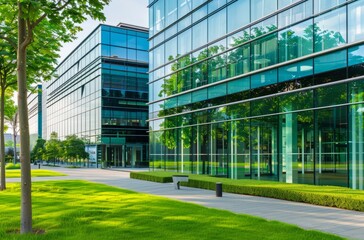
{"type": "Point", "coordinates": [330, 30]}
{"type": "Point", "coordinates": [356, 21]}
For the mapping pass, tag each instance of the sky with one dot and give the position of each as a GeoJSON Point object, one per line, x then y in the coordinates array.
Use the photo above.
{"type": "Point", "coordinates": [134, 12]}
{"type": "Point", "coordinates": [127, 11]}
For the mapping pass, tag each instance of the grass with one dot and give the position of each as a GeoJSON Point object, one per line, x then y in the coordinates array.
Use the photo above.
{"type": "Point", "coordinates": [320, 195]}
{"type": "Point", "coordinates": [35, 173]}
{"type": "Point", "coordinates": [82, 210]}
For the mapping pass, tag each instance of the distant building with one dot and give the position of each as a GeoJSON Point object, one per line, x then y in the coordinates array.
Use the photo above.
{"type": "Point", "coordinates": [263, 89]}
{"type": "Point", "coordinates": [35, 115]}
{"type": "Point", "coordinates": [100, 94]}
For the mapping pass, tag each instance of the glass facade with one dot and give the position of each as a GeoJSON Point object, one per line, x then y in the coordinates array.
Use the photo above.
{"type": "Point", "coordinates": [35, 115]}
{"type": "Point", "coordinates": [100, 94]}
{"type": "Point", "coordinates": [267, 89]}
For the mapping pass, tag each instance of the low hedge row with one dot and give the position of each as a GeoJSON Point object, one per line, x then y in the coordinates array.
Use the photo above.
{"type": "Point", "coordinates": [151, 178]}
{"type": "Point", "coordinates": [284, 194]}
{"type": "Point", "coordinates": [12, 166]}
{"type": "Point", "coordinates": [329, 196]}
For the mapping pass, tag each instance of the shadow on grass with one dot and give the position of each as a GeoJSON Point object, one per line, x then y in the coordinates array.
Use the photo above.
{"type": "Point", "coordinates": [84, 210]}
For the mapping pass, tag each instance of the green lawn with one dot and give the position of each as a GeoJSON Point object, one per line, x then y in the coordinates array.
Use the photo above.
{"type": "Point", "coordinates": [83, 210]}
{"type": "Point", "coordinates": [331, 196]}
{"type": "Point", "coordinates": [35, 173]}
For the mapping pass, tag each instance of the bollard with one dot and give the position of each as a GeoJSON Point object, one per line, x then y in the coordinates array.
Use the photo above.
{"type": "Point", "coordinates": [39, 166]}
{"type": "Point", "coordinates": [218, 189]}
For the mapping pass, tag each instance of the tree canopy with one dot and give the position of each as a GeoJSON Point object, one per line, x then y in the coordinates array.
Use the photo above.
{"type": "Point", "coordinates": [41, 23]}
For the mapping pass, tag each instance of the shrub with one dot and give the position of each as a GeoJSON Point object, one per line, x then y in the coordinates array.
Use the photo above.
{"type": "Point", "coordinates": [72, 166]}
{"type": "Point", "coordinates": [151, 178]}
{"type": "Point", "coordinates": [12, 166]}
{"type": "Point", "coordinates": [330, 196]}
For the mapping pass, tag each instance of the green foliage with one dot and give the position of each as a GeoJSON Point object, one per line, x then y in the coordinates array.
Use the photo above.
{"type": "Point", "coordinates": [319, 195]}
{"type": "Point", "coordinates": [9, 143]}
{"type": "Point", "coordinates": [38, 150]}
{"type": "Point", "coordinates": [12, 166]}
{"type": "Point", "coordinates": [74, 148]}
{"type": "Point", "coordinates": [85, 210]}
{"type": "Point", "coordinates": [151, 178]}
{"type": "Point", "coordinates": [53, 147]}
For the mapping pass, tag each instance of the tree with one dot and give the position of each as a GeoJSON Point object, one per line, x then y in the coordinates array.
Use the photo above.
{"type": "Point", "coordinates": [53, 148]}
{"type": "Point", "coordinates": [74, 148]}
{"type": "Point", "coordinates": [56, 21]}
{"type": "Point", "coordinates": [11, 117]}
{"type": "Point", "coordinates": [7, 108]}
{"type": "Point", "coordinates": [39, 150]}
{"type": "Point", "coordinates": [7, 81]}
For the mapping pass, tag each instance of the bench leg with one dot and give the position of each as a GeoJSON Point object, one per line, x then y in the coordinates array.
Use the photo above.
{"type": "Point", "coordinates": [177, 185]}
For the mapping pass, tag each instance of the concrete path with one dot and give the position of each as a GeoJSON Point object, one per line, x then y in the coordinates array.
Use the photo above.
{"type": "Point", "coordinates": [349, 224]}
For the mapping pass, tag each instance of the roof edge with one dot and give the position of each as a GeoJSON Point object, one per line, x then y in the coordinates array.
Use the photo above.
{"type": "Point", "coordinates": [126, 25]}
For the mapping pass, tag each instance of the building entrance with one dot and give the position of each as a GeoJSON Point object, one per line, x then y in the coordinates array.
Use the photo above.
{"type": "Point", "coordinates": [124, 155]}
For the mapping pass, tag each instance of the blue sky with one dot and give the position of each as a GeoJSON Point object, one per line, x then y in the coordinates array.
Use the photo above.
{"type": "Point", "coordinates": [128, 11]}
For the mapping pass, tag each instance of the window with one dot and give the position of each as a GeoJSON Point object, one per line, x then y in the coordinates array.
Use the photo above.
{"type": "Point", "coordinates": [118, 39]}
{"type": "Point", "coordinates": [323, 5]}
{"type": "Point", "coordinates": [159, 16]}
{"type": "Point", "coordinates": [356, 21]}
{"type": "Point", "coordinates": [196, 3]}
{"type": "Point", "coordinates": [264, 79]}
{"type": "Point", "coordinates": [215, 4]}
{"type": "Point", "coordinates": [118, 52]}
{"type": "Point", "coordinates": [199, 95]}
{"type": "Point", "coordinates": [262, 8]}
{"type": "Point", "coordinates": [285, 3]}
{"type": "Point", "coordinates": [264, 27]}
{"type": "Point", "coordinates": [217, 91]}
{"type": "Point", "coordinates": [199, 33]}
{"type": "Point", "coordinates": [330, 30]}
{"type": "Point", "coordinates": [264, 52]}
{"type": "Point", "coordinates": [238, 61]}
{"type": "Point", "coordinates": [238, 16]}
{"type": "Point", "coordinates": [332, 61]}
{"type": "Point", "coordinates": [295, 14]}
{"type": "Point", "coordinates": [356, 61]}
{"type": "Point", "coordinates": [184, 42]}
{"type": "Point", "coordinates": [171, 49]}
{"type": "Point", "coordinates": [294, 42]}
{"type": "Point", "coordinates": [200, 13]}
{"type": "Point", "coordinates": [171, 12]}
{"type": "Point", "coordinates": [158, 56]}
{"type": "Point", "coordinates": [239, 85]}
{"type": "Point", "coordinates": [184, 99]}
{"type": "Point", "coordinates": [199, 74]}
{"type": "Point", "coordinates": [217, 25]}
{"type": "Point", "coordinates": [295, 71]}
{"type": "Point", "coordinates": [184, 7]}
{"type": "Point", "coordinates": [217, 68]}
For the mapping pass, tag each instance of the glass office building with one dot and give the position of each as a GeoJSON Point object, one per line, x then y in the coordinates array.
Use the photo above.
{"type": "Point", "coordinates": [100, 93]}
{"type": "Point", "coordinates": [263, 89]}
{"type": "Point", "coordinates": [35, 115]}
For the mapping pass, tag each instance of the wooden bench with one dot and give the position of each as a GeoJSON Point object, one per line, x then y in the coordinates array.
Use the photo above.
{"type": "Point", "coordinates": [179, 178]}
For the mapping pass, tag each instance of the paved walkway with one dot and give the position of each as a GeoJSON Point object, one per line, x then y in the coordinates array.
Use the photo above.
{"type": "Point", "coordinates": [349, 224]}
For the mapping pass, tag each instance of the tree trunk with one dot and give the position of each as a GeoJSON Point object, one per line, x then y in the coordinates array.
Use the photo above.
{"type": "Point", "coordinates": [26, 198]}
{"type": "Point", "coordinates": [2, 141]}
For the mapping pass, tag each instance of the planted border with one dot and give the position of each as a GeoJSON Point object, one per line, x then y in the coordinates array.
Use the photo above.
{"type": "Point", "coordinates": [152, 178]}
{"type": "Point", "coordinates": [329, 196]}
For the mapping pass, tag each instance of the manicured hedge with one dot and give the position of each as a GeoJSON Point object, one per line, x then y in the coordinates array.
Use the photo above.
{"type": "Point", "coordinates": [330, 196]}
{"type": "Point", "coordinates": [152, 178]}
{"type": "Point", "coordinates": [12, 166]}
